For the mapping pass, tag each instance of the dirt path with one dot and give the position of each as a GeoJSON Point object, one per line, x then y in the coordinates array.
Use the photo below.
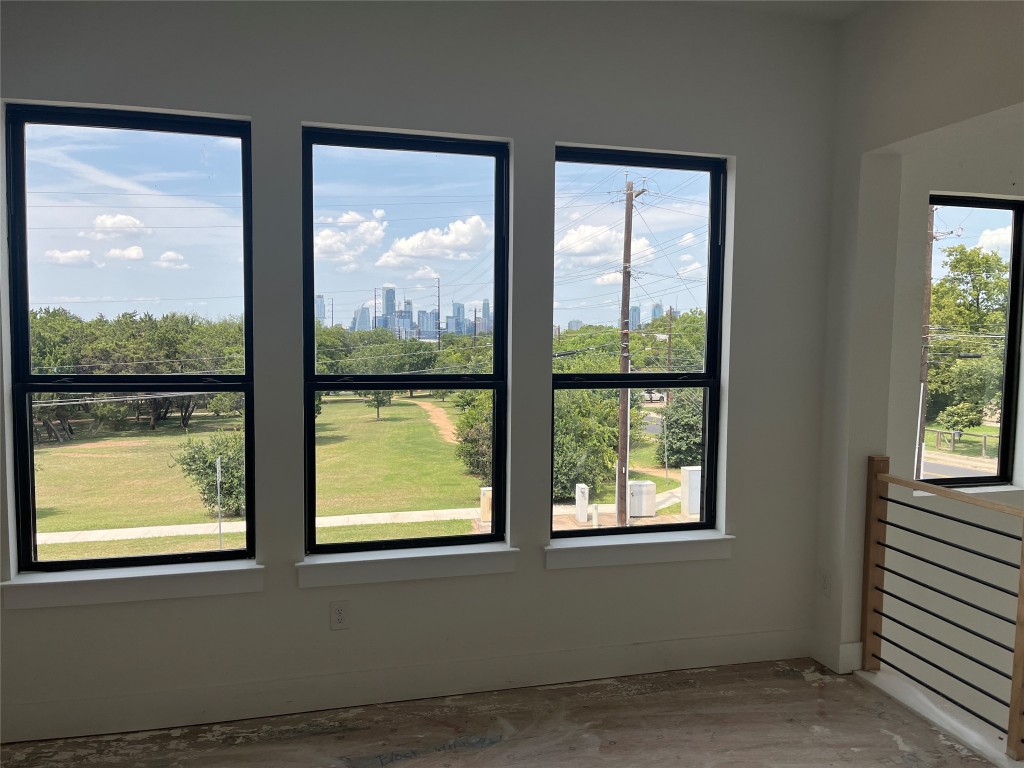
{"type": "Point", "coordinates": [439, 418]}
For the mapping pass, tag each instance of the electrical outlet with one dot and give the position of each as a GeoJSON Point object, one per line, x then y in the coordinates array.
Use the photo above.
{"type": "Point", "coordinates": [340, 615]}
{"type": "Point", "coordinates": [825, 582]}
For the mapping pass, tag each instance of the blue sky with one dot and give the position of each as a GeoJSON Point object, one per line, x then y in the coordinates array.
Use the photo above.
{"type": "Point", "coordinates": [123, 220]}
{"type": "Point", "coordinates": [405, 220]}
{"type": "Point", "coordinates": [669, 241]}
{"type": "Point", "coordinates": [133, 220]}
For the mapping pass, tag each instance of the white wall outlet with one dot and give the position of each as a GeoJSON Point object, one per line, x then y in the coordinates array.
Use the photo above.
{"type": "Point", "coordinates": [341, 614]}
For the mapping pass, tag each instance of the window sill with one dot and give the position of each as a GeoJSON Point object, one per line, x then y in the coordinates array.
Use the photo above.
{"type": "Point", "coordinates": [638, 549]}
{"type": "Point", "coordinates": [978, 489]}
{"type": "Point", "coordinates": [406, 564]}
{"type": "Point", "coordinates": [125, 585]}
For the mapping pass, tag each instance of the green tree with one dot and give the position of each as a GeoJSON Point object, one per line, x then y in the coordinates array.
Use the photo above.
{"type": "Point", "coordinates": [198, 461]}
{"type": "Point", "coordinates": [475, 433]}
{"type": "Point", "coordinates": [681, 439]}
{"type": "Point", "coordinates": [586, 428]}
{"type": "Point", "coordinates": [378, 398]}
{"type": "Point", "coordinates": [967, 334]}
{"type": "Point", "coordinates": [960, 417]}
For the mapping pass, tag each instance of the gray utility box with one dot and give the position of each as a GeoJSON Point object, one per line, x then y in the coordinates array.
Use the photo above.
{"type": "Point", "coordinates": [642, 498]}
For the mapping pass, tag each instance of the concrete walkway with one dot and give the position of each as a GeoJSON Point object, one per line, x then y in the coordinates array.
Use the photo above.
{"type": "Point", "coordinates": [235, 526]}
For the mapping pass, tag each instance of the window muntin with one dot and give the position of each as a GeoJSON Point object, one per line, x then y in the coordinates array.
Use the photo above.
{"type": "Point", "coordinates": [651, 375]}
{"type": "Point", "coordinates": [970, 358]}
{"type": "Point", "coordinates": [404, 403]}
{"type": "Point", "coordinates": [129, 283]}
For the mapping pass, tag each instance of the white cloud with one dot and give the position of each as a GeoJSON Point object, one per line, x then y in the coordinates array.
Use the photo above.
{"type": "Point", "coordinates": [67, 258]}
{"type": "Point", "coordinates": [171, 260]}
{"type": "Point", "coordinates": [587, 245]}
{"type": "Point", "coordinates": [424, 273]}
{"type": "Point", "coordinates": [330, 244]}
{"type": "Point", "coordinates": [461, 240]}
{"type": "Point", "coordinates": [108, 226]}
{"type": "Point", "coordinates": [995, 239]}
{"type": "Point", "coordinates": [132, 253]}
{"type": "Point", "coordinates": [686, 239]}
{"type": "Point", "coordinates": [609, 278]}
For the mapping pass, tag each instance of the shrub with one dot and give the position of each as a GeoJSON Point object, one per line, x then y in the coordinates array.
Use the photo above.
{"type": "Point", "coordinates": [198, 460]}
{"type": "Point", "coordinates": [960, 417]}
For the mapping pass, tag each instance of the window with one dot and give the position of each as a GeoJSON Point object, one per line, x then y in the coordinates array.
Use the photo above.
{"type": "Point", "coordinates": [130, 320]}
{"type": "Point", "coordinates": [405, 285]}
{"type": "Point", "coordinates": [970, 354]}
{"type": "Point", "coordinates": [638, 257]}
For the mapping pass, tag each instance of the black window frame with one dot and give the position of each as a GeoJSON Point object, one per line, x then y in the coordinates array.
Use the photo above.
{"type": "Point", "coordinates": [24, 382]}
{"type": "Point", "coordinates": [710, 379]}
{"type": "Point", "coordinates": [1010, 408]}
{"type": "Point", "coordinates": [496, 381]}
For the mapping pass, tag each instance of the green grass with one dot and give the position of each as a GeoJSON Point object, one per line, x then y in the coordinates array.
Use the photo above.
{"type": "Point", "coordinates": [119, 480]}
{"type": "Point", "coordinates": [967, 445]}
{"type": "Point", "coordinates": [162, 545]}
{"type": "Point", "coordinates": [350, 533]}
{"type": "Point", "coordinates": [167, 545]}
{"type": "Point", "coordinates": [396, 464]}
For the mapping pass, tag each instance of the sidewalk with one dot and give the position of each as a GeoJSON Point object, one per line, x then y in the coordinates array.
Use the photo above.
{"type": "Point", "coordinates": [235, 526]}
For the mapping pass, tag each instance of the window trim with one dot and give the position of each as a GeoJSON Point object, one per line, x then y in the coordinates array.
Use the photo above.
{"type": "Point", "coordinates": [1010, 409]}
{"type": "Point", "coordinates": [496, 381]}
{"type": "Point", "coordinates": [24, 382]}
{"type": "Point", "coordinates": [710, 380]}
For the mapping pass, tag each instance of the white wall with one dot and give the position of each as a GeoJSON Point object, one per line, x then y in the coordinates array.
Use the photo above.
{"type": "Point", "coordinates": [929, 101]}
{"type": "Point", "coordinates": [713, 79]}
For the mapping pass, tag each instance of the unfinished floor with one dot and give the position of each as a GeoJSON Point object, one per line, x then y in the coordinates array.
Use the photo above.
{"type": "Point", "coordinates": [785, 713]}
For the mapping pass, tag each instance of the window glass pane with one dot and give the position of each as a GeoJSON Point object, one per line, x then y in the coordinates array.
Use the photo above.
{"type": "Point", "coordinates": [123, 474]}
{"type": "Point", "coordinates": [403, 465]}
{"type": "Point", "coordinates": [663, 308]}
{"type": "Point", "coordinates": [135, 251]}
{"type": "Point", "coordinates": [665, 455]}
{"type": "Point", "coordinates": [403, 248]}
{"type": "Point", "coordinates": [964, 351]}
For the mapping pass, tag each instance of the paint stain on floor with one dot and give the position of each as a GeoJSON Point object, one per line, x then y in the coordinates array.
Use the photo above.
{"type": "Point", "coordinates": [792, 714]}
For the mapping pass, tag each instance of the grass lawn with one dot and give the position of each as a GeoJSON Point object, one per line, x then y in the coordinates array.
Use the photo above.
{"type": "Point", "coordinates": [163, 545]}
{"type": "Point", "coordinates": [119, 480]}
{"type": "Point", "coordinates": [967, 445]}
{"type": "Point", "coordinates": [166, 545]}
{"type": "Point", "coordinates": [397, 464]}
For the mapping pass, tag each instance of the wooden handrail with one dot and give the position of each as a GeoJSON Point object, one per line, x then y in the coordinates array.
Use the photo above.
{"type": "Point", "coordinates": [879, 481]}
{"type": "Point", "coordinates": [951, 493]}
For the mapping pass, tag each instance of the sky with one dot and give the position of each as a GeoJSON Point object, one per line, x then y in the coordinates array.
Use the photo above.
{"type": "Point", "coordinates": [124, 220]}
{"type": "Point", "coordinates": [121, 220]}
{"type": "Point", "coordinates": [669, 248]}
{"type": "Point", "coordinates": [405, 220]}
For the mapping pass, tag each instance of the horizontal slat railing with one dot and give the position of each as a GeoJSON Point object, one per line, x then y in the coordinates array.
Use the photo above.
{"type": "Point", "coordinates": [937, 548]}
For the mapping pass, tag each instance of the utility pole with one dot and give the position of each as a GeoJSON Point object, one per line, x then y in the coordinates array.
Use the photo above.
{"type": "Point", "coordinates": [621, 484]}
{"type": "Point", "coordinates": [474, 326]}
{"type": "Point", "coordinates": [438, 323]}
{"type": "Point", "coordinates": [926, 333]}
{"type": "Point", "coordinates": [332, 311]}
{"type": "Point", "coordinates": [668, 393]}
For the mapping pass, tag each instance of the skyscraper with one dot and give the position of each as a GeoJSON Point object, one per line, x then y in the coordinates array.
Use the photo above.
{"type": "Point", "coordinates": [388, 300]}
{"type": "Point", "coordinates": [575, 325]}
{"type": "Point", "coordinates": [362, 319]}
{"type": "Point", "coordinates": [657, 311]}
{"type": "Point", "coordinates": [634, 317]}
{"type": "Point", "coordinates": [320, 307]}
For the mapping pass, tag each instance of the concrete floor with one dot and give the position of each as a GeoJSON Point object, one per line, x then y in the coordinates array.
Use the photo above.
{"type": "Point", "coordinates": [790, 714]}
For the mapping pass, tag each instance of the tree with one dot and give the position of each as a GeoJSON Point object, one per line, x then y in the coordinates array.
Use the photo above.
{"type": "Point", "coordinates": [585, 439]}
{"type": "Point", "coordinates": [960, 417]}
{"type": "Point", "coordinates": [475, 433]}
{"type": "Point", "coordinates": [681, 440]}
{"type": "Point", "coordinates": [198, 461]}
{"type": "Point", "coordinates": [378, 398]}
{"type": "Point", "coordinates": [967, 334]}
{"type": "Point", "coordinates": [227, 402]}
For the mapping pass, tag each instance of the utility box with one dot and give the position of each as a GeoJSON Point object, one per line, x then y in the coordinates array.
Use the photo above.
{"type": "Point", "coordinates": [485, 505]}
{"type": "Point", "coordinates": [690, 492]}
{"type": "Point", "coordinates": [642, 498]}
{"type": "Point", "coordinates": [582, 502]}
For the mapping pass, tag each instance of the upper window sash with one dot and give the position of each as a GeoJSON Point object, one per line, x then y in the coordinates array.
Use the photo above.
{"type": "Point", "coordinates": [114, 238]}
